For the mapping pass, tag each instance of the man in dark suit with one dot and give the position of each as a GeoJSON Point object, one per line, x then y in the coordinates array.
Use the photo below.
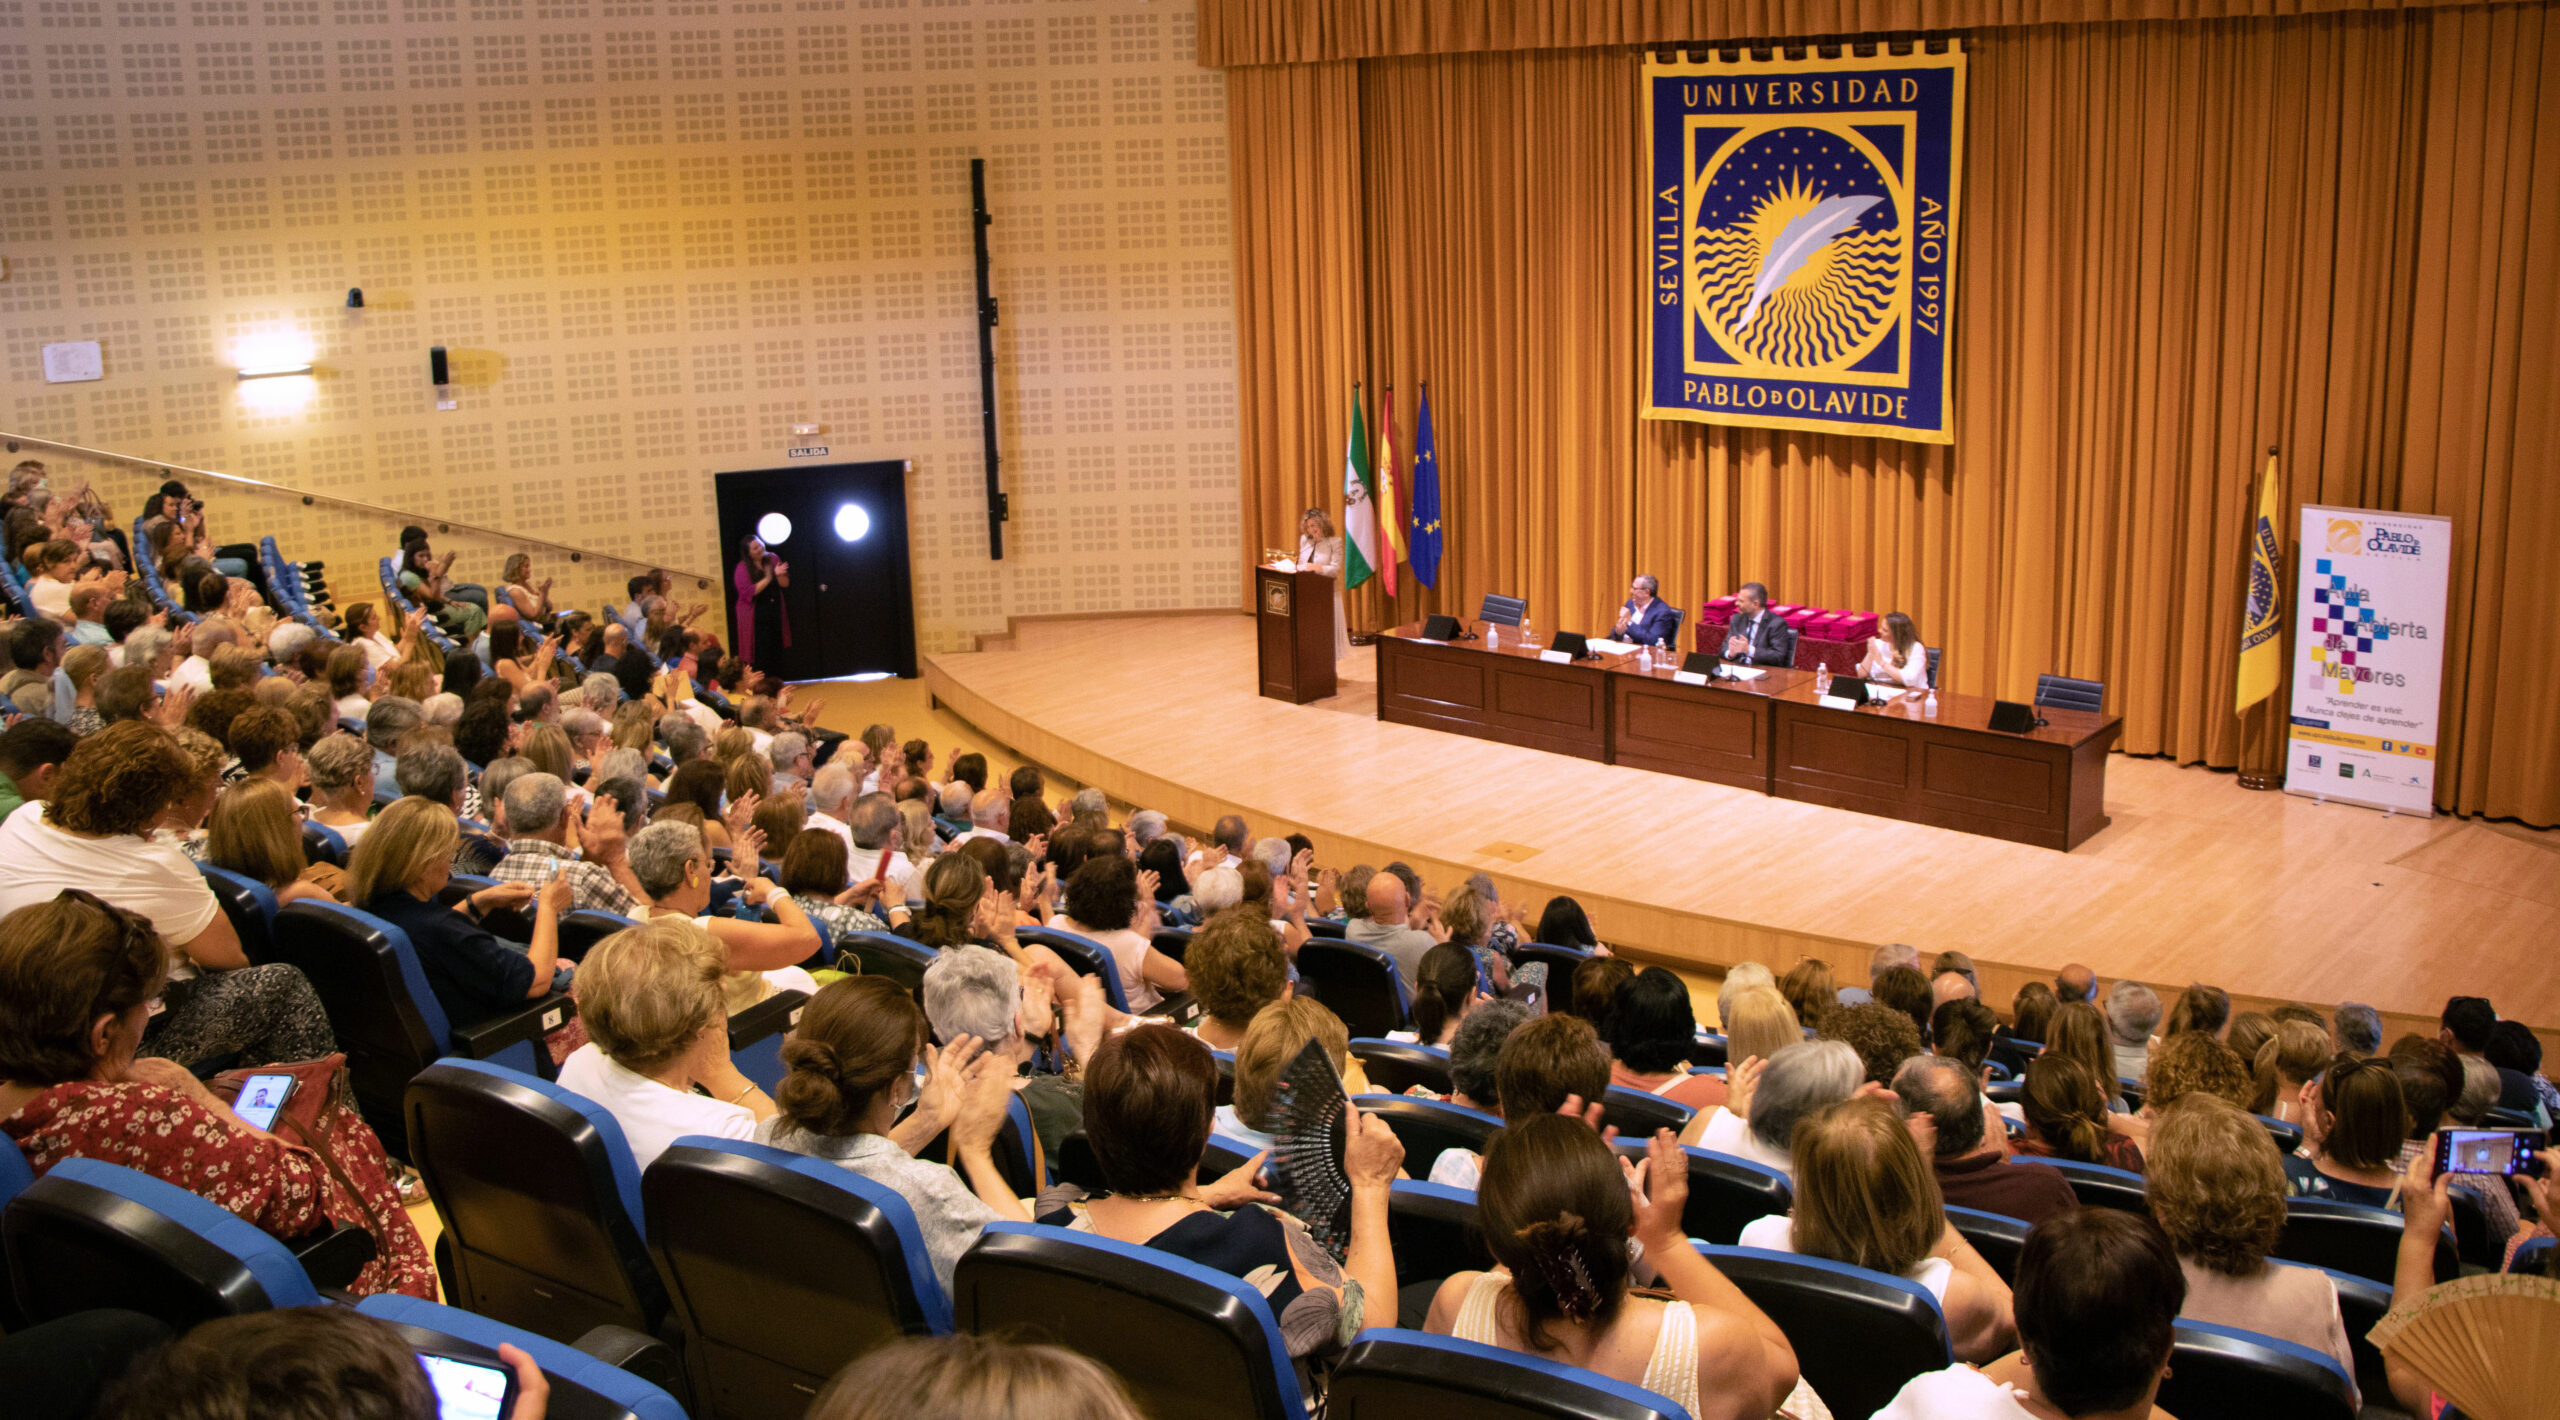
{"type": "Point", "coordinates": [1646, 619]}
{"type": "Point", "coordinates": [1756, 634]}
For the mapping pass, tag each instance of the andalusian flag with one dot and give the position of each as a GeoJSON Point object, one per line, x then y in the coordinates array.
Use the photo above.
{"type": "Point", "coordinates": [1392, 511]}
{"type": "Point", "coordinates": [1359, 503]}
{"type": "Point", "coordinates": [2262, 623]}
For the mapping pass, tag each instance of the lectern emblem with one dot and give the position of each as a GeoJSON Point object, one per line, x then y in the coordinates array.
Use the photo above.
{"type": "Point", "coordinates": [1275, 597]}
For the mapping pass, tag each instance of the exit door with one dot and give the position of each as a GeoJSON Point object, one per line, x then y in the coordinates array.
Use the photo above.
{"type": "Point", "coordinates": [841, 529]}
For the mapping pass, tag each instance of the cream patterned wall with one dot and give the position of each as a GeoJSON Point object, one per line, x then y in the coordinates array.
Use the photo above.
{"type": "Point", "coordinates": [655, 234]}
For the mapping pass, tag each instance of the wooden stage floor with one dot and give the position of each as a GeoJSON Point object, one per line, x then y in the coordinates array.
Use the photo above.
{"type": "Point", "coordinates": [2264, 894]}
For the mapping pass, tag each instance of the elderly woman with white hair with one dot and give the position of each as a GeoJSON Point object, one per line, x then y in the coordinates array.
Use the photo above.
{"type": "Point", "coordinates": [601, 692]}
{"type": "Point", "coordinates": [657, 1057]}
{"type": "Point", "coordinates": [442, 708]}
{"type": "Point", "coordinates": [984, 996]}
{"type": "Point", "coordinates": [674, 867]}
{"type": "Point", "coordinates": [1738, 978]}
{"type": "Point", "coordinates": [1768, 1098]}
{"type": "Point", "coordinates": [153, 649]}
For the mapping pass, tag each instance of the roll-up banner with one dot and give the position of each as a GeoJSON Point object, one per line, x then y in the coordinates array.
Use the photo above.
{"type": "Point", "coordinates": [2368, 661]}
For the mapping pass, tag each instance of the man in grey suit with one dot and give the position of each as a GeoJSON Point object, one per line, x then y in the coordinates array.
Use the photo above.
{"type": "Point", "coordinates": [1756, 634]}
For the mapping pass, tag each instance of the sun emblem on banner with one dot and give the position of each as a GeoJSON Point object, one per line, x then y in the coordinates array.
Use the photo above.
{"type": "Point", "coordinates": [1799, 257]}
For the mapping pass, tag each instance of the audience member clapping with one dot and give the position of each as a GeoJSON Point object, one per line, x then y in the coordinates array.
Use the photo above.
{"type": "Point", "coordinates": [1651, 1031]}
{"type": "Point", "coordinates": [1558, 1215]}
{"type": "Point", "coordinates": [1236, 968]}
{"type": "Point", "coordinates": [399, 873]}
{"type": "Point", "coordinates": [675, 870]}
{"type": "Point", "coordinates": [1107, 901]}
{"type": "Point", "coordinates": [1866, 1197]}
{"type": "Point", "coordinates": [1444, 991]}
{"type": "Point", "coordinates": [657, 1051]}
{"type": "Point", "coordinates": [1769, 1098]}
{"type": "Point", "coordinates": [1966, 1148]}
{"type": "Point", "coordinates": [253, 832]}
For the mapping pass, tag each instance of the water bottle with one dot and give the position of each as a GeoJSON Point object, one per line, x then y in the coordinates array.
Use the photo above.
{"type": "Point", "coordinates": [1644, 659]}
{"type": "Point", "coordinates": [1929, 706]}
{"type": "Point", "coordinates": [1822, 679]}
{"type": "Point", "coordinates": [1492, 637]}
{"type": "Point", "coordinates": [1528, 630]}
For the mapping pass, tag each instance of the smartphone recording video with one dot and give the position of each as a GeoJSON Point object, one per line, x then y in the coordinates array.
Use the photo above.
{"type": "Point", "coordinates": [469, 1389]}
{"type": "Point", "coordinates": [2491, 1151]}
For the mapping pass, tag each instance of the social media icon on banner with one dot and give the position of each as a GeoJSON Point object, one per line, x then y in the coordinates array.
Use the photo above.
{"type": "Point", "coordinates": [2315, 761]}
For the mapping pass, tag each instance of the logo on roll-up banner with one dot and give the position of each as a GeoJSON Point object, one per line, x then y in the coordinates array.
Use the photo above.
{"type": "Point", "coordinates": [2368, 668]}
{"type": "Point", "coordinates": [1802, 231]}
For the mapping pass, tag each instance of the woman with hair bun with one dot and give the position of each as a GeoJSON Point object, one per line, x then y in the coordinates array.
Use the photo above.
{"type": "Point", "coordinates": [1557, 1212]}
{"type": "Point", "coordinates": [851, 1064]}
{"type": "Point", "coordinates": [1444, 990]}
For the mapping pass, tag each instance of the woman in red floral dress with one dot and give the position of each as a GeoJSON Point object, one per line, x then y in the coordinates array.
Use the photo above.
{"type": "Point", "coordinates": [77, 982]}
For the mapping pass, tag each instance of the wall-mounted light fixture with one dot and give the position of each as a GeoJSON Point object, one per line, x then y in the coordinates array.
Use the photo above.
{"type": "Point", "coordinates": [269, 372]}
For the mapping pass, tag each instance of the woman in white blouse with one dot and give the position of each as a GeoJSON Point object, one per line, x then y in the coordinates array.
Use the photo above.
{"type": "Point", "coordinates": [1896, 657]}
{"type": "Point", "coordinates": [1319, 550]}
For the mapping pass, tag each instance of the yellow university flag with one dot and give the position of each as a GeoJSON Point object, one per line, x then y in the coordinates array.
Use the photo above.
{"type": "Point", "coordinates": [2262, 623]}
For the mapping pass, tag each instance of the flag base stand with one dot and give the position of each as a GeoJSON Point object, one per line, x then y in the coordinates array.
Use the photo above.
{"type": "Point", "coordinates": [1364, 638]}
{"type": "Point", "coordinates": [2261, 781]}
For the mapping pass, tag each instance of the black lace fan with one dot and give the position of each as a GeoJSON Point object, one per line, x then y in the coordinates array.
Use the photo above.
{"type": "Point", "coordinates": [1307, 1148]}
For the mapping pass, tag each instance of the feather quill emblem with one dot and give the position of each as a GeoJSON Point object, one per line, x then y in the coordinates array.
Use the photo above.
{"type": "Point", "coordinates": [1796, 244]}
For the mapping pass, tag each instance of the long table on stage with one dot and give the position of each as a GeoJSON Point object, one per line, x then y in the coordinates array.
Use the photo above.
{"type": "Point", "coordinates": [1952, 770]}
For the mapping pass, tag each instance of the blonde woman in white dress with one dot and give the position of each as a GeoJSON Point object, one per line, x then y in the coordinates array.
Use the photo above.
{"type": "Point", "coordinates": [1896, 656]}
{"type": "Point", "coordinates": [1319, 550]}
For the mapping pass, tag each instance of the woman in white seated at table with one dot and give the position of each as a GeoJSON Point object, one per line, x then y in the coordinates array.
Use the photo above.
{"type": "Point", "coordinates": [1866, 1196]}
{"type": "Point", "coordinates": [1557, 1214]}
{"type": "Point", "coordinates": [1896, 656]}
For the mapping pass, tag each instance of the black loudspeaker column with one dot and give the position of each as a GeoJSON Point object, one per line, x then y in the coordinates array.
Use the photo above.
{"type": "Point", "coordinates": [841, 531]}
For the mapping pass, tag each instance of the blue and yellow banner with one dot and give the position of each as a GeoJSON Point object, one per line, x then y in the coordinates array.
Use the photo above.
{"type": "Point", "coordinates": [1802, 242]}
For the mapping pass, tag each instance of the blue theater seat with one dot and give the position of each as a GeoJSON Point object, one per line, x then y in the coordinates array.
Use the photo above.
{"type": "Point", "coordinates": [588, 1380]}
{"type": "Point", "coordinates": [1017, 1150]}
{"type": "Point", "coordinates": [386, 1017]}
{"type": "Point", "coordinates": [581, 930]}
{"type": "Point", "coordinates": [887, 954]}
{"type": "Point", "coordinates": [91, 1234]}
{"type": "Point", "coordinates": [1859, 1335]}
{"type": "Point", "coordinates": [1087, 956]}
{"type": "Point", "coordinates": [1428, 1127]}
{"type": "Point", "coordinates": [540, 1202]}
{"type": "Point", "coordinates": [1358, 983]}
{"type": "Point", "coordinates": [1395, 1066]}
{"type": "Point", "coordinates": [1435, 1232]}
{"type": "Point", "coordinates": [1400, 1375]}
{"type": "Point", "coordinates": [2354, 1239]}
{"type": "Point", "coordinates": [1635, 1114]}
{"type": "Point", "coordinates": [2224, 1373]}
{"type": "Point", "coordinates": [250, 906]}
{"type": "Point", "coordinates": [1997, 1236]}
{"type": "Point", "coordinates": [1725, 1193]}
{"type": "Point", "coordinates": [1191, 1343]}
{"type": "Point", "coordinates": [782, 1269]}
{"type": "Point", "coordinates": [323, 844]}
{"type": "Point", "coordinates": [2096, 1185]}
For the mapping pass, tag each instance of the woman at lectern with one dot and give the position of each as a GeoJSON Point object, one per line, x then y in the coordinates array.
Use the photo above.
{"type": "Point", "coordinates": [1320, 551]}
{"type": "Point", "coordinates": [1896, 656]}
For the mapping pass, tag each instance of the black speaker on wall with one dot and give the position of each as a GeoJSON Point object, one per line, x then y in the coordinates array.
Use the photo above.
{"type": "Point", "coordinates": [437, 372]}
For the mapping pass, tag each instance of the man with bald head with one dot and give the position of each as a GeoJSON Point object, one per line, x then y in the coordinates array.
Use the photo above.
{"type": "Point", "coordinates": [1386, 929]}
{"type": "Point", "coordinates": [990, 812]}
{"type": "Point", "coordinates": [2075, 983]}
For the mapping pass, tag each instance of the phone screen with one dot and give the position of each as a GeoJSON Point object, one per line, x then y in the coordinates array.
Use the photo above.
{"type": "Point", "coordinates": [468, 1390]}
{"type": "Point", "coordinates": [2497, 1151]}
{"type": "Point", "coordinates": [261, 1096]}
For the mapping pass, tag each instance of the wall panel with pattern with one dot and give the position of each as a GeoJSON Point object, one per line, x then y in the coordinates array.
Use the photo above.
{"type": "Point", "coordinates": [655, 234]}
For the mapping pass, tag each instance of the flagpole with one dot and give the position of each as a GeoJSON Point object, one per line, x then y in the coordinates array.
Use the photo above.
{"type": "Point", "coordinates": [2255, 726]}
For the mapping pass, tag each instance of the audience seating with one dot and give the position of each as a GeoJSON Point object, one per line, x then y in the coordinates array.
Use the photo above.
{"type": "Point", "coordinates": [91, 1234]}
{"type": "Point", "coordinates": [1709, 1051]}
{"type": "Point", "coordinates": [591, 1380]}
{"type": "Point", "coordinates": [1859, 1335]}
{"type": "Point", "coordinates": [2354, 1239]}
{"type": "Point", "coordinates": [1726, 1193]}
{"type": "Point", "coordinates": [755, 1037]}
{"type": "Point", "coordinates": [2361, 1302]}
{"type": "Point", "coordinates": [1395, 1066]}
{"type": "Point", "coordinates": [1017, 1149]}
{"type": "Point", "coordinates": [1356, 982]}
{"type": "Point", "coordinates": [580, 931]}
{"type": "Point", "coordinates": [250, 906]}
{"type": "Point", "coordinates": [885, 954]}
{"type": "Point", "coordinates": [1173, 942]}
{"type": "Point", "coordinates": [1408, 1375]}
{"type": "Point", "coordinates": [1637, 1113]}
{"type": "Point", "coordinates": [2287, 1134]}
{"type": "Point", "coordinates": [2096, 1185]}
{"type": "Point", "coordinates": [1087, 956]}
{"type": "Point", "coordinates": [2533, 1255]}
{"type": "Point", "coordinates": [1427, 1127]}
{"type": "Point", "coordinates": [323, 844]}
{"type": "Point", "coordinates": [2224, 1373]}
{"type": "Point", "coordinates": [1560, 963]}
{"type": "Point", "coordinates": [781, 1269]}
{"type": "Point", "coordinates": [1434, 1230]}
{"type": "Point", "coordinates": [14, 1178]}
{"type": "Point", "coordinates": [2014, 1055]}
{"type": "Point", "coordinates": [1997, 1236]}
{"type": "Point", "coordinates": [387, 1019]}
{"type": "Point", "coordinates": [540, 1202]}
{"type": "Point", "coordinates": [1191, 1343]}
{"type": "Point", "coordinates": [1325, 927]}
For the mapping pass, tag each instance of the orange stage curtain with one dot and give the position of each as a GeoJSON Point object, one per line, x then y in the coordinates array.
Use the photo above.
{"type": "Point", "coordinates": [1239, 32]}
{"type": "Point", "coordinates": [2181, 243]}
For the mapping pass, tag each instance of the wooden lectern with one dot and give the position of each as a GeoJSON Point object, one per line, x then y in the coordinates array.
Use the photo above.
{"type": "Point", "coordinates": [1293, 626]}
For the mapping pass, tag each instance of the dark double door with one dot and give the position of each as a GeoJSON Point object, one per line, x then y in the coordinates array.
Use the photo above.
{"type": "Point", "coordinates": [851, 602]}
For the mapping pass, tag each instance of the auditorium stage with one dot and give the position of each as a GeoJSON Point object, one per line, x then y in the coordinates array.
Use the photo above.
{"type": "Point", "coordinates": [2264, 894]}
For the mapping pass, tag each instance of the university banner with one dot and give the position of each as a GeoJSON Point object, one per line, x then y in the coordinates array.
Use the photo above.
{"type": "Point", "coordinates": [1801, 225]}
{"type": "Point", "coordinates": [2368, 660]}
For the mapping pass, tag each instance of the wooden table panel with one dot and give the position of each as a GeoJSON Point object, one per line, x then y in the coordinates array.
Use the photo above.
{"type": "Point", "coordinates": [1951, 770]}
{"type": "Point", "coordinates": [1507, 695]}
{"type": "Point", "coordinates": [1718, 732]}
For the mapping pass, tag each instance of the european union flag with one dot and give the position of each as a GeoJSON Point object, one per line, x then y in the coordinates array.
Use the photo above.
{"type": "Point", "coordinates": [1423, 547]}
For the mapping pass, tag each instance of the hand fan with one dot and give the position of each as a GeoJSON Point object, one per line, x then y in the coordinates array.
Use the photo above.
{"type": "Point", "coordinates": [2490, 1344]}
{"type": "Point", "coordinates": [1306, 1165]}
